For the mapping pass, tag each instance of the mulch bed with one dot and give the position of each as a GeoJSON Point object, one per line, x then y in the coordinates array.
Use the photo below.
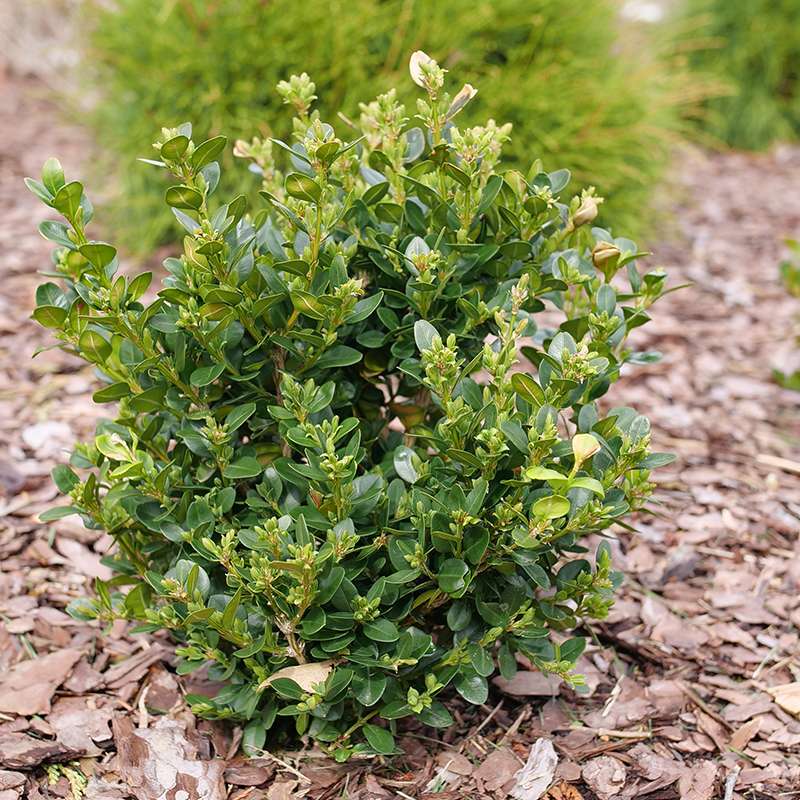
{"type": "Point", "coordinates": [693, 683]}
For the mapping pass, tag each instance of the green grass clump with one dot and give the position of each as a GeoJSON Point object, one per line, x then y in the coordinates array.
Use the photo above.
{"type": "Point", "coordinates": [582, 89]}
{"type": "Point", "coordinates": [754, 46]}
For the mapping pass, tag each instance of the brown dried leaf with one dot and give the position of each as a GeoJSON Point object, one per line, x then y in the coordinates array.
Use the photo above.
{"type": "Point", "coordinates": [713, 729]}
{"type": "Point", "coordinates": [240, 773]}
{"type": "Point", "coordinates": [306, 676]}
{"type": "Point", "coordinates": [163, 691]}
{"type": "Point", "coordinates": [657, 769]}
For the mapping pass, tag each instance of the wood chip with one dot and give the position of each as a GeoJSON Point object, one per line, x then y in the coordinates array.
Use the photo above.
{"type": "Point", "coordinates": [160, 763]}
{"type": "Point", "coordinates": [28, 686]}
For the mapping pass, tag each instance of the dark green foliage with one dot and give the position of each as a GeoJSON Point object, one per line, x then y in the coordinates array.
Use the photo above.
{"type": "Point", "coordinates": [330, 474]}
{"type": "Point", "coordinates": [754, 47]}
{"type": "Point", "coordinates": [583, 90]}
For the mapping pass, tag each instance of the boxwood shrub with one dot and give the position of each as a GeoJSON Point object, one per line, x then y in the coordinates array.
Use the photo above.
{"type": "Point", "coordinates": [358, 449]}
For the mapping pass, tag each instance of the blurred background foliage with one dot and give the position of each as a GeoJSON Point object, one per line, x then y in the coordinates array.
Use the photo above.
{"type": "Point", "coordinates": [754, 46]}
{"type": "Point", "coordinates": [584, 88]}
{"type": "Point", "coordinates": [607, 88]}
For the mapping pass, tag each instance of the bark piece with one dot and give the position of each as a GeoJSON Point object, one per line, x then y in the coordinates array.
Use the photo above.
{"type": "Point", "coordinates": [787, 697]}
{"type": "Point", "coordinates": [10, 779]}
{"type": "Point", "coordinates": [159, 763]}
{"type": "Point", "coordinates": [529, 684]}
{"type": "Point", "coordinates": [28, 686]}
{"type": "Point", "coordinates": [605, 776]}
{"type": "Point", "coordinates": [240, 773]}
{"type": "Point", "coordinates": [497, 770]}
{"type": "Point", "coordinates": [533, 780]}
{"type": "Point", "coordinates": [18, 750]}
{"type": "Point", "coordinates": [78, 724]}
{"type": "Point", "coordinates": [134, 668]}
{"type": "Point", "coordinates": [163, 691]}
{"type": "Point", "coordinates": [699, 782]}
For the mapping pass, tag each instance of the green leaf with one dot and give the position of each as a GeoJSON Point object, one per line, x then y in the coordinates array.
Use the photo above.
{"type": "Point", "coordinates": [543, 474]}
{"type": "Point", "coordinates": [437, 716]}
{"type": "Point", "coordinates": [112, 446]}
{"type": "Point", "coordinates": [254, 737]}
{"type": "Point", "coordinates": [459, 616]}
{"type": "Point", "coordinates": [481, 660]}
{"type": "Point", "coordinates": [592, 484]}
{"type": "Point", "coordinates": [404, 464]}
{"type": "Point", "coordinates": [424, 334]}
{"type": "Point", "coordinates": [287, 688]}
{"type": "Point", "coordinates": [40, 190]}
{"type": "Point", "coordinates": [307, 304]}
{"type": "Point", "coordinates": [53, 175]}
{"type": "Point", "coordinates": [476, 541]}
{"type": "Point", "coordinates": [56, 232]}
{"type": "Point", "coordinates": [396, 710]}
{"type": "Point", "coordinates": [98, 254]}
{"type": "Point", "coordinates": [451, 576]}
{"type": "Point", "coordinates": [64, 478]}
{"type": "Point", "coordinates": [50, 316]}
{"type": "Point", "coordinates": [375, 192]}
{"type": "Point", "coordinates": [364, 308]}
{"type": "Point", "coordinates": [654, 460]}
{"type": "Point", "coordinates": [381, 630]}
{"type": "Point", "coordinates": [303, 187]}
{"type": "Point", "coordinates": [472, 687]}
{"type": "Point", "coordinates": [112, 392]}
{"type": "Point", "coordinates": [183, 197]}
{"type": "Point", "coordinates": [174, 148]}
{"type": "Point", "coordinates": [207, 151]}
{"type": "Point", "coordinates": [203, 376]}
{"type": "Point", "coordinates": [94, 346]}
{"type": "Point", "coordinates": [67, 199]}
{"type": "Point", "coordinates": [380, 740]}
{"type": "Point", "coordinates": [490, 192]}
{"type": "Point", "coordinates": [339, 356]}
{"type": "Point", "coordinates": [238, 416]}
{"type": "Point", "coordinates": [247, 467]}
{"type": "Point", "coordinates": [52, 514]}
{"type": "Point", "coordinates": [527, 388]}
{"type": "Point", "coordinates": [370, 689]}
{"type": "Point", "coordinates": [551, 507]}
{"type": "Point", "coordinates": [328, 585]}
{"type": "Point", "coordinates": [572, 649]}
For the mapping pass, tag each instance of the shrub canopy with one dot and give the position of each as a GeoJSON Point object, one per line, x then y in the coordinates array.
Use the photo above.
{"type": "Point", "coordinates": [332, 475]}
{"type": "Point", "coordinates": [584, 90]}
